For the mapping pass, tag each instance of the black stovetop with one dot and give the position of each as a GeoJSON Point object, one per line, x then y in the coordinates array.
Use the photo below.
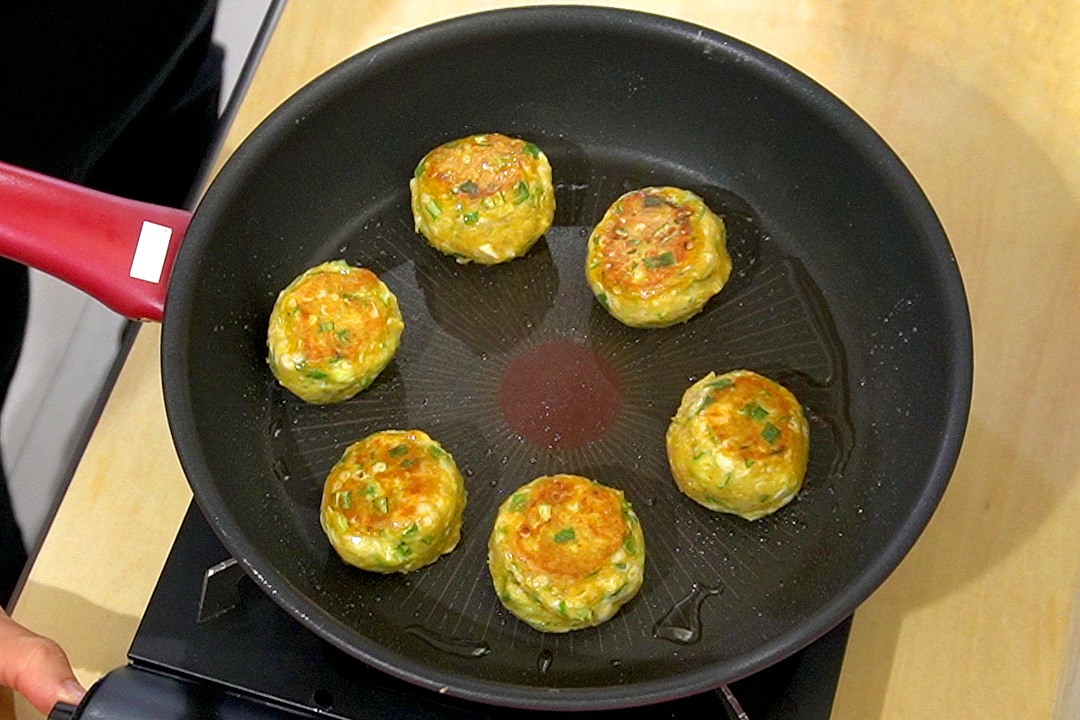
{"type": "Point", "coordinates": [254, 660]}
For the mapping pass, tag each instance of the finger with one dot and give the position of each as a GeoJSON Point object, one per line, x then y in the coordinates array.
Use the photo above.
{"type": "Point", "coordinates": [36, 667]}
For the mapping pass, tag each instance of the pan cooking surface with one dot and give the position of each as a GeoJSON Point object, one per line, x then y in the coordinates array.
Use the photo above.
{"type": "Point", "coordinates": [519, 372]}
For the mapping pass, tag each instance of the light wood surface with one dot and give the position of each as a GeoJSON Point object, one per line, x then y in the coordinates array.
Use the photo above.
{"type": "Point", "coordinates": [981, 99]}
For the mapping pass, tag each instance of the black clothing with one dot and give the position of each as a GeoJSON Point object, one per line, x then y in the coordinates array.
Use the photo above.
{"type": "Point", "coordinates": [117, 95]}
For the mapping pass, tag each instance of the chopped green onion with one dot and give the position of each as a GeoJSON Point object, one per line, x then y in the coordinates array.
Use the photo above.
{"type": "Point", "coordinates": [403, 550]}
{"type": "Point", "coordinates": [755, 411]}
{"type": "Point", "coordinates": [545, 512]}
{"type": "Point", "coordinates": [420, 168]}
{"type": "Point", "coordinates": [411, 530]}
{"type": "Point", "coordinates": [326, 326]}
{"type": "Point", "coordinates": [531, 150]}
{"type": "Point", "coordinates": [343, 499]}
{"type": "Point", "coordinates": [433, 208]}
{"type": "Point", "coordinates": [709, 400]}
{"type": "Point", "coordinates": [343, 335]}
{"type": "Point", "coordinates": [652, 201]}
{"type": "Point", "coordinates": [615, 593]}
{"type": "Point", "coordinates": [399, 450]}
{"type": "Point", "coordinates": [518, 502]}
{"type": "Point", "coordinates": [562, 607]}
{"type": "Point", "coordinates": [522, 192]}
{"type": "Point", "coordinates": [383, 505]}
{"type": "Point", "coordinates": [470, 218]}
{"type": "Point", "coordinates": [408, 463]}
{"type": "Point", "coordinates": [664, 259]}
{"type": "Point", "coordinates": [629, 546]}
{"type": "Point", "coordinates": [565, 535]}
{"type": "Point", "coordinates": [749, 463]}
{"type": "Point", "coordinates": [371, 490]}
{"type": "Point", "coordinates": [469, 188]}
{"type": "Point", "coordinates": [437, 452]}
{"type": "Point", "coordinates": [316, 374]}
{"type": "Point", "coordinates": [771, 433]}
{"type": "Point", "coordinates": [721, 383]}
{"type": "Point", "coordinates": [602, 298]}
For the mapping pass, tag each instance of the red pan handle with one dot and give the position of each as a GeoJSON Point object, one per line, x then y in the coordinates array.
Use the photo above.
{"type": "Point", "coordinates": [119, 251]}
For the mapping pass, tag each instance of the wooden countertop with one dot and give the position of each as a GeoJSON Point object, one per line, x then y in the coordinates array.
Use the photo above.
{"type": "Point", "coordinates": [981, 99]}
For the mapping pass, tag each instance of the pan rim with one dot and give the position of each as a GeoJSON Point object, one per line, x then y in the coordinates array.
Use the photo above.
{"type": "Point", "coordinates": [843, 119]}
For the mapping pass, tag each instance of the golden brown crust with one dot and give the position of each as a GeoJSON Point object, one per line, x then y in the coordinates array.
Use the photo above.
{"type": "Point", "coordinates": [331, 332]}
{"type": "Point", "coordinates": [566, 553]}
{"type": "Point", "coordinates": [739, 443]}
{"type": "Point", "coordinates": [483, 198]}
{"type": "Point", "coordinates": [592, 512]}
{"type": "Point", "coordinates": [393, 502]}
{"type": "Point", "coordinates": [657, 256]}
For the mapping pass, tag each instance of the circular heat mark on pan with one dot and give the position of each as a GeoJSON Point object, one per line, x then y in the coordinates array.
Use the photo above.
{"type": "Point", "coordinates": [560, 395]}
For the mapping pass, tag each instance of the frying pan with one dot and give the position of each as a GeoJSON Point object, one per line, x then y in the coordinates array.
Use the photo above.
{"type": "Point", "coordinates": [844, 289]}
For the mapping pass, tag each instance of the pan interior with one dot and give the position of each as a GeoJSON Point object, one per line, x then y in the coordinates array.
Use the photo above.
{"type": "Point", "coordinates": [471, 332]}
{"type": "Point", "coordinates": [840, 290]}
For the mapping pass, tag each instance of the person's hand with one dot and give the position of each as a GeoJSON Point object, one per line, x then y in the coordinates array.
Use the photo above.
{"type": "Point", "coordinates": [36, 667]}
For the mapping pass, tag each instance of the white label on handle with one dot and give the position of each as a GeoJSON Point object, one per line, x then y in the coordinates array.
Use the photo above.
{"type": "Point", "coordinates": [150, 252]}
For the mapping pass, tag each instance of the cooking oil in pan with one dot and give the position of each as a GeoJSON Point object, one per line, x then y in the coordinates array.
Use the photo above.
{"type": "Point", "coordinates": [462, 647]}
{"type": "Point", "coordinates": [682, 623]}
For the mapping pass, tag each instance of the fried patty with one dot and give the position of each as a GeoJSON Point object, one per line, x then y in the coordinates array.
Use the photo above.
{"type": "Point", "coordinates": [393, 502]}
{"type": "Point", "coordinates": [332, 331]}
{"type": "Point", "coordinates": [656, 257]}
{"type": "Point", "coordinates": [739, 443]}
{"type": "Point", "coordinates": [483, 198]}
{"type": "Point", "coordinates": [566, 553]}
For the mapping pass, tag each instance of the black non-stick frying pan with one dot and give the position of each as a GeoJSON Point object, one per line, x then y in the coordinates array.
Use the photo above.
{"type": "Point", "coordinates": [844, 288]}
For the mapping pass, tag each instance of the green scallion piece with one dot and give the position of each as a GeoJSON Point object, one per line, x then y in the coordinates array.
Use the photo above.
{"type": "Point", "coordinates": [755, 412]}
{"type": "Point", "coordinates": [420, 168]}
{"type": "Point", "coordinates": [343, 499]}
{"type": "Point", "coordinates": [664, 259]}
{"type": "Point", "coordinates": [399, 450]}
{"type": "Point", "coordinates": [433, 208]}
{"type": "Point", "coordinates": [630, 546]}
{"type": "Point", "coordinates": [771, 433]}
{"type": "Point", "coordinates": [470, 218]}
{"type": "Point", "coordinates": [565, 535]}
{"type": "Point", "coordinates": [721, 383]}
{"type": "Point", "coordinates": [518, 502]}
{"type": "Point", "coordinates": [531, 150]}
{"type": "Point", "coordinates": [382, 505]}
{"type": "Point", "coordinates": [316, 374]}
{"type": "Point", "coordinates": [521, 190]}
{"type": "Point", "coordinates": [469, 188]}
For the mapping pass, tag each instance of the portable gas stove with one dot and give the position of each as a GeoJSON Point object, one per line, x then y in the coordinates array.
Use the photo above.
{"type": "Point", "coordinates": [211, 644]}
